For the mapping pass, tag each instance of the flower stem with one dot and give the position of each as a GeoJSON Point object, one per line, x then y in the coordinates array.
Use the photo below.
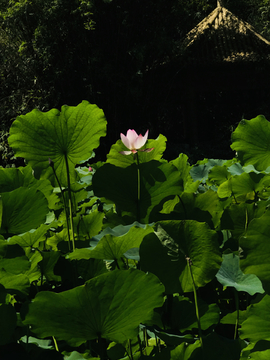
{"type": "Point", "coordinates": [140, 344]}
{"type": "Point", "coordinates": [70, 204]}
{"type": "Point", "coordinates": [139, 188]}
{"type": "Point", "coordinates": [64, 200]}
{"type": "Point", "coordinates": [237, 313]}
{"type": "Point", "coordinates": [130, 349]}
{"type": "Point", "coordinates": [55, 344]}
{"type": "Point", "coordinates": [189, 263]}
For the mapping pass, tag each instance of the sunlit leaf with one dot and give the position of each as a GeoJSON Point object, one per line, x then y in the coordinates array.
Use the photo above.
{"type": "Point", "coordinates": [171, 247]}
{"type": "Point", "coordinates": [247, 184]}
{"type": "Point", "coordinates": [158, 181]}
{"type": "Point", "coordinates": [110, 306]}
{"type": "Point", "coordinates": [23, 209]}
{"type": "Point", "coordinates": [231, 275]}
{"type": "Point", "coordinates": [255, 245]}
{"type": "Point", "coordinates": [13, 178]}
{"type": "Point", "coordinates": [183, 351]}
{"type": "Point", "coordinates": [113, 247]}
{"type": "Point", "coordinates": [114, 157]}
{"type": "Point", "coordinates": [183, 314]}
{"type": "Point", "coordinates": [69, 135]}
{"type": "Point", "coordinates": [181, 163]}
{"type": "Point", "coordinates": [31, 238]}
{"type": "Point", "coordinates": [15, 283]}
{"type": "Point", "coordinates": [90, 224]}
{"type": "Point", "coordinates": [218, 175]}
{"type": "Point", "coordinates": [256, 326]}
{"type": "Point", "coordinates": [237, 217]}
{"type": "Point", "coordinates": [251, 141]}
{"type": "Point", "coordinates": [200, 171]}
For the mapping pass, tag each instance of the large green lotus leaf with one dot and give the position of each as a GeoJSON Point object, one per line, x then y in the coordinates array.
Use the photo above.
{"type": "Point", "coordinates": [181, 163]}
{"type": "Point", "coordinates": [47, 190]}
{"type": "Point", "coordinates": [218, 175]}
{"type": "Point", "coordinates": [183, 351]}
{"type": "Point", "coordinates": [34, 273]}
{"type": "Point", "coordinates": [231, 318]}
{"type": "Point", "coordinates": [48, 264]}
{"type": "Point", "coordinates": [13, 178]}
{"type": "Point", "coordinates": [237, 217]}
{"type": "Point", "coordinates": [255, 245]}
{"type": "Point", "coordinates": [57, 238]}
{"type": "Point", "coordinates": [203, 207]}
{"type": "Point", "coordinates": [186, 351]}
{"type": "Point", "coordinates": [13, 268]}
{"type": "Point", "coordinates": [154, 258]}
{"type": "Point", "coordinates": [77, 356]}
{"type": "Point", "coordinates": [256, 326]}
{"type": "Point", "coordinates": [119, 230]}
{"type": "Point", "coordinates": [255, 348]}
{"type": "Point", "coordinates": [247, 184]}
{"type": "Point", "coordinates": [236, 169]}
{"type": "Point", "coordinates": [113, 247]}
{"type": "Point", "coordinates": [117, 159]}
{"type": "Point", "coordinates": [110, 306]}
{"type": "Point", "coordinates": [209, 202]}
{"type": "Point", "coordinates": [214, 347]}
{"type": "Point", "coordinates": [120, 185]}
{"type": "Point", "coordinates": [91, 224]}
{"type": "Point", "coordinates": [15, 265]}
{"type": "Point", "coordinates": [1, 213]}
{"type": "Point", "coordinates": [171, 246]}
{"type": "Point", "coordinates": [251, 141]}
{"type": "Point", "coordinates": [200, 171]}
{"type": "Point", "coordinates": [15, 283]}
{"type": "Point", "coordinates": [183, 314]}
{"type": "Point", "coordinates": [70, 135]}
{"type": "Point", "coordinates": [231, 275]}
{"type": "Point", "coordinates": [8, 323]}
{"type": "Point", "coordinates": [23, 209]}
{"type": "Point", "coordinates": [219, 347]}
{"type": "Point", "coordinates": [31, 238]}
{"type": "Point", "coordinates": [88, 269]}
{"type": "Point", "coordinates": [260, 355]}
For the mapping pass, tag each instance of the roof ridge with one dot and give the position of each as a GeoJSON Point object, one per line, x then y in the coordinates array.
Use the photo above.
{"type": "Point", "coordinates": [225, 36]}
{"type": "Point", "coordinates": [220, 16]}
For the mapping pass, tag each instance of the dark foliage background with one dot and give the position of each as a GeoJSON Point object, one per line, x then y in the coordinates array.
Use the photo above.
{"type": "Point", "coordinates": [56, 52]}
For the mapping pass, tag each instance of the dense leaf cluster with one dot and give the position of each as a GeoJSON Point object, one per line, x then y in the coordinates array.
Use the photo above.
{"type": "Point", "coordinates": [129, 259]}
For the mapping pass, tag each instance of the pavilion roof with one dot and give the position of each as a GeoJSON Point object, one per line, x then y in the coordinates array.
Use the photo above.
{"type": "Point", "coordinates": [222, 37]}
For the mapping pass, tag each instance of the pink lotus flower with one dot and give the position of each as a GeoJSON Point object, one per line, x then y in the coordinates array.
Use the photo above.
{"type": "Point", "coordinates": [134, 142]}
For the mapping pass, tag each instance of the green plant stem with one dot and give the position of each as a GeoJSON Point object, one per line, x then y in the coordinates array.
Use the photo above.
{"type": "Point", "coordinates": [55, 344]}
{"type": "Point", "coordinates": [65, 205]}
{"type": "Point", "coordinates": [237, 313]}
{"type": "Point", "coordinates": [196, 301]}
{"type": "Point", "coordinates": [183, 205]}
{"type": "Point", "coordinates": [130, 349]}
{"type": "Point", "coordinates": [140, 344]}
{"type": "Point", "coordinates": [101, 348]}
{"type": "Point", "coordinates": [158, 343]}
{"type": "Point", "coordinates": [145, 339]}
{"type": "Point", "coordinates": [139, 188]}
{"type": "Point", "coordinates": [70, 204]}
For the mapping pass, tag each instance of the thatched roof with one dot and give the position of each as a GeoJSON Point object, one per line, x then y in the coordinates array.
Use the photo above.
{"type": "Point", "coordinates": [222, 37]}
